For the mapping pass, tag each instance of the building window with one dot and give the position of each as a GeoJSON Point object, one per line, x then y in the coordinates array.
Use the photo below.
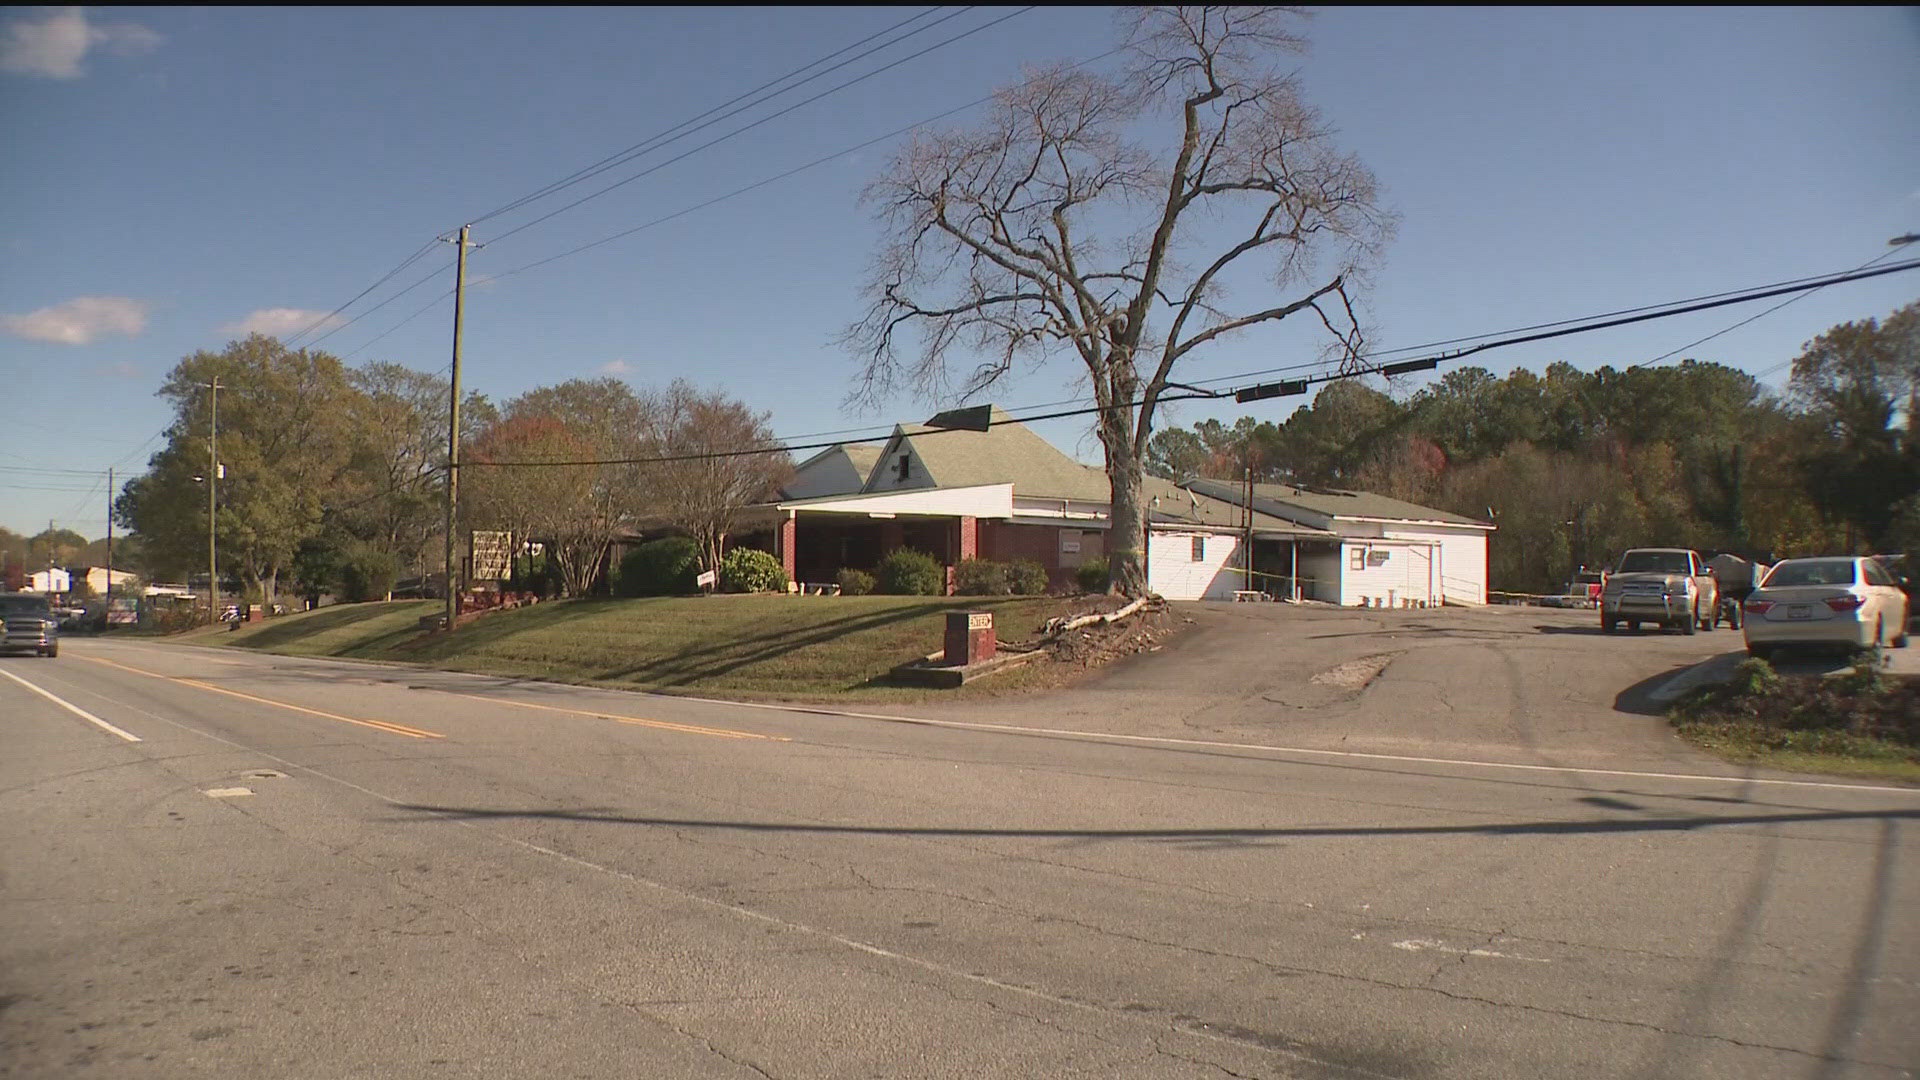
{"type": "Point", "coordinates": [1357, 558]}
{"type": "Point", "coordinates": [1199, 549]}
{"type": "Point", "coordinates": [903, 466]}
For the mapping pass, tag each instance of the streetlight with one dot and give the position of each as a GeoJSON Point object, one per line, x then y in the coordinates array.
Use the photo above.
{"type": "Point", "coordinates": [1903, 240]}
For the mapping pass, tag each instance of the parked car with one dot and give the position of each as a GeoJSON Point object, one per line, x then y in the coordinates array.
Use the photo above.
{"type": "Point", "coordinates": [29, 624]}
{"type": "Point", "coordinates": [1669, 587]}
{"type": "Point", "coordinates": [1844, 602]}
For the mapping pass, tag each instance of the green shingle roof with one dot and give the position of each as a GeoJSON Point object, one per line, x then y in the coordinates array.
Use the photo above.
{"type": "Point", "coordinates": [1007, 453]}
{"type": "Point", "coordinates": [1332, 502]}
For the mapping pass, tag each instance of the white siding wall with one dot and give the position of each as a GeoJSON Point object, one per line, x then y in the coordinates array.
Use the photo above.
{"type": "Point", "coordinates": [1462, 572]}
{"type": "Point", "coordinates": [1172, 572]}
{"type": "Point", "coordinates": [1405, 575]}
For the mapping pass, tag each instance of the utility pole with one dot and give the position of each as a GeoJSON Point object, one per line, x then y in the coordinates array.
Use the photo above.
{"type": "Point", "coordinates": [213, 478]}
{"type": "Point", "coordinates": [1249, 584]}
{"type": "Point", "coordinates": [453, 424]}
{"type": "Point", "coordinates": [109, 538]}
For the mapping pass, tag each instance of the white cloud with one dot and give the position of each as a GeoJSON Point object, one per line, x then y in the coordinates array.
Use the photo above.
{"type": "Point", "coordinates": [80, 320]}
{"type": "Point", "coordinates": [616, 367]}
{"type": "Point", "coordinates": [52, 42]}
{"type": "Point", "coordinates": [281, 321]}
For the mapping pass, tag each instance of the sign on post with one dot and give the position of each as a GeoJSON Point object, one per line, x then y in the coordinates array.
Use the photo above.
{"type": "Point", "coordinates": [491, 555]}
{"type": "Point", "coordinates": [706, 579]}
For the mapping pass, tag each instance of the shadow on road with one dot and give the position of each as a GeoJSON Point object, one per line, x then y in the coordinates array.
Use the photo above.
{"type": "Point", "coordinates": [1199, 835]}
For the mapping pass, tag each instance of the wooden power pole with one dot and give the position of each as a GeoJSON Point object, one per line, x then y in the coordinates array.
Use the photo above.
{"type": "Point", "coordinates": [213, 477]}
{"type": "Point", "coordinates": [453, 424]}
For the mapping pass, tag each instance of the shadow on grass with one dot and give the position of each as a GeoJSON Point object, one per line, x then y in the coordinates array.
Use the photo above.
{"type": "Point", "coordinates": [697, 664]}
{"type": "Point", "coordinates": [498, 626]}
{"type": "Point", "coordinates": [285, 631]}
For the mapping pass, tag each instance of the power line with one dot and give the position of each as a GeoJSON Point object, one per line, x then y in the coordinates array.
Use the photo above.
{"type": "Point", "coordinates": [701, 206]}
{"type": "Point", "coordinates": [1811, 283]}
{"type": "Point", "coordinates": [651, 169]}
{"type": "Point", "coordinates": [1883, 256]}
{"type": "Point", "coordinates": [1661, 311]}
{"type": "Point", "coordinates": [654, 141]}
{"type": "Point", "coordinates": [656, 222]}
{"type": "Point", "coordinates": [417, 255]}
{"type": "Point", "coordinates": [616, 160]}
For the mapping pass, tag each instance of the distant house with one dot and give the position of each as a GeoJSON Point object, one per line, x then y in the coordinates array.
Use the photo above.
{"type": "Point", "coordinates": [52, 580]}
{"type": "Point", "coordinates": [98, 577]}
{"type": "Point", "coordinates": [1006, 494]}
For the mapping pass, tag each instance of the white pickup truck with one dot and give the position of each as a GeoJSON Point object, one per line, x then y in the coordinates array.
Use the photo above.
{"type": "Point", "coordinates": [1669, 587]}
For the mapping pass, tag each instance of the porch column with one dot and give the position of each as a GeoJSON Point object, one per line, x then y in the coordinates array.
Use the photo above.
{"type": "Point", "coordinates": [784, 541]}
{"type": "Point", "coordinates": [969, 538]}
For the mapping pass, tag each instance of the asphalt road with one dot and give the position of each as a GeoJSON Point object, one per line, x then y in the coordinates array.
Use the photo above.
{"type": "Point", "coordinates": [312, 869]}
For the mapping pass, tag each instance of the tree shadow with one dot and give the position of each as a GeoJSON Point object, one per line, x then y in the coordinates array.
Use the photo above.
{"type": "Point", "coordinates": [696, 663]}
{"type": "Point", "coordinates": [1199, 836]}
{"type": "Point", "coordinates": [287, 631]}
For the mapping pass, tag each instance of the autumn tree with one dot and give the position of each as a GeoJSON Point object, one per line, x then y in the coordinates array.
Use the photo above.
{"type": "Point", "coordinates": [1052, 230]}
{"type": "Point", "coordinates": [521, 476]}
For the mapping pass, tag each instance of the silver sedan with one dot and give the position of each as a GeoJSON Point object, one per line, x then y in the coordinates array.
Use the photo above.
{"type": "Point", "coordinates": [1828, 602]}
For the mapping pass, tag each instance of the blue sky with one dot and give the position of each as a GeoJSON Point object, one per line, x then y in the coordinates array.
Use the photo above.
{"type": "Point", "coordinates": [173, 177]}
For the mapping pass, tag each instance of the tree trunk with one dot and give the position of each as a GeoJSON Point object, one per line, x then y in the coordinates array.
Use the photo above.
{"type": "Point", "coordinates": [1126, 565]}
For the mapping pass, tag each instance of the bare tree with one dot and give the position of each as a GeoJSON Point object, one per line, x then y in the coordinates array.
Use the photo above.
{"type": "Point", "coordinates": [705, 494]}
{"type": "Point", "coordinates": [1049, 229]}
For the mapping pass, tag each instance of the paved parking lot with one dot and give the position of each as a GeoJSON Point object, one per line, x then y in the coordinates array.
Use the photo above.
{"type": "Point", "coordinates": [1496, 683]}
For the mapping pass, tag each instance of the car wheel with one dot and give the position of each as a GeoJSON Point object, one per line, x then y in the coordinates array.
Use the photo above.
{"type": "Point", "coordinates": [1690, 624]}
{"type": "Point", "coordinates": [1607, 626]}
{"type": "Point", "coordinates": [50, 651]}
{"type": "Point", "coordinates": [1760, 652]}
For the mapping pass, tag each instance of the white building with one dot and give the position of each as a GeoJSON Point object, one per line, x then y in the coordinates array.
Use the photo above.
{"type": "Point", "coordinates": [1379, 552]}
{"type": "Point", "coordinates": [53, 580]}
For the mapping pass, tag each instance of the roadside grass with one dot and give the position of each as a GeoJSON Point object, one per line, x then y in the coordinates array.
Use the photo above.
{"type": "Point", "coordinates": [742, 646]}
{"type": "Point", "coordinates": [1861, 723]}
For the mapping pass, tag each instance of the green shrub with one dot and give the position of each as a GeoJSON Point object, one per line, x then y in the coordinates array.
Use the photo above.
{"type": "Point", "coordinates": [906, 572]}
{"type": "Point", "coordinates": [747, 570]}
{"type": "Point", "coordinates": [1027, 578]}
{"type": "Point", "coordinates": [1754, 678]}
{"type": "Point", "coordinates": [664, 567]}
{"type": "Point", "coordinates": [1092, 577]}
{"type": "Point", "coordinates": [855, 582]}
{"type": "Point", "coordinates": [980, 577]}
{"type": "Point", "coordinates": [367, 573]}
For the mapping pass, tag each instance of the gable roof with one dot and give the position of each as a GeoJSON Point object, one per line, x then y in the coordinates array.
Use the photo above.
{"type": "Point", "coordinates": [1006, 453]}
{"type": "Point", "coordinates": [837, 470]}
{"type": "Point", "coordinates": [1330, 502]}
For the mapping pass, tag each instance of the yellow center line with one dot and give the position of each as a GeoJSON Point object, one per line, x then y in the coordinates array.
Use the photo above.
{"type": "Point", "coordinates": [377, 725]}
{"type": "Point", "coordinates": [691, 729]}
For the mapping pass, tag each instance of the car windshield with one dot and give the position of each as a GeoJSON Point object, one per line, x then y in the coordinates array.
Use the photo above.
{"type": "Point", "coordinates": [1811, 572]}
{"type": "Point", "coordinates": [23, 605]}
{"type": "Point", "coordinates": [1654, 562]}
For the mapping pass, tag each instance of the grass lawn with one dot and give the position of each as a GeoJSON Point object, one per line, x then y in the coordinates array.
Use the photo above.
{"type": "Point", "coordinates": [754, 646]}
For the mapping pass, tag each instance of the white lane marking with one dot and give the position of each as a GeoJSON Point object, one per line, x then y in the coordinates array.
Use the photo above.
{"type": "Point", "coordinates": [72, 708]}
{"type": "Point", "coordinates": [227, 792]}
{"type": "Point", "coordinates": [1162, 740]}
{"type": "Point", "coordinates": [1423, 945]}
